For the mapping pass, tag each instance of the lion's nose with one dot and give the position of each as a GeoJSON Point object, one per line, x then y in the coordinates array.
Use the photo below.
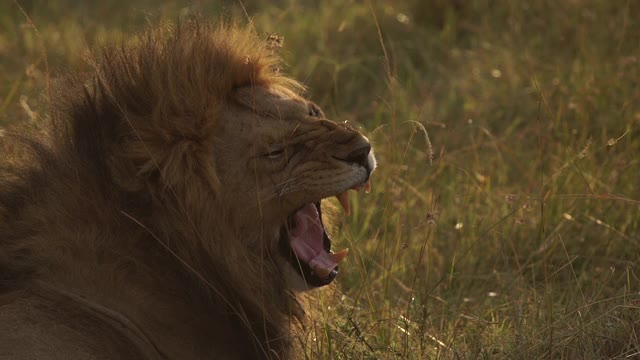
{"type": "Point", "coordinates": [359, 156]}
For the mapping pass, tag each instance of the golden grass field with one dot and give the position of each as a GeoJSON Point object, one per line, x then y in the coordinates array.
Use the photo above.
{"type": "Point", "coordinates": [504, 221]}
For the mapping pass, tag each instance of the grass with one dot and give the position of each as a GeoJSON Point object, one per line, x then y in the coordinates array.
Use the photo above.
{"type": "Point", "coordinates": [511, 232]}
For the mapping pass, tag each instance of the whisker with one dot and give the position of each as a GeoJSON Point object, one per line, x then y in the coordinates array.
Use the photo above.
{"type": "Point", "coordinates": [285, 187]}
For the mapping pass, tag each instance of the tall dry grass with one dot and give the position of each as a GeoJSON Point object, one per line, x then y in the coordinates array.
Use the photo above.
{"type": "Point", "coordinates": [504, 220]}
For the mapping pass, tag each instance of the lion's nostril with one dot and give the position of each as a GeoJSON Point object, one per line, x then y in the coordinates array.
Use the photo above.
{"type": "Point", "coordinates": [359, 156]}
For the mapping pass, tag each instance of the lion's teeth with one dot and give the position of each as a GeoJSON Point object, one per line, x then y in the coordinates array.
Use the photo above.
{"type": "Point", "coordinates": [344, 201]}
{"type": "Point", "coordinates": [367, 186]}
{"type": "Point", "coordinates": [340, 255]}
{"type": "Point", "coordinates": [322, 272]}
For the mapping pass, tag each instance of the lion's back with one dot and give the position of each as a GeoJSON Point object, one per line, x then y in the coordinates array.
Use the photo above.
{"type": "Point", "coordinates": [38, 324]}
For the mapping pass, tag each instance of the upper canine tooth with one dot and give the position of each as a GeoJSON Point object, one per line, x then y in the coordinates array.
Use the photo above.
{"type": "Point", "coordinates": [367, 186]}
{"type": "Point", "coordinates": [344, 201]}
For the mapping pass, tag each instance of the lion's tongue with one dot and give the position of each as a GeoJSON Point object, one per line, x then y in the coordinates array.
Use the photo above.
{"type": "Point", "coordinates": [307, 238]}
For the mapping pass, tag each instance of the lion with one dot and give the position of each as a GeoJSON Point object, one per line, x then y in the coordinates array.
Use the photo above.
{"type": "Point", "coordinates": [170, 204]}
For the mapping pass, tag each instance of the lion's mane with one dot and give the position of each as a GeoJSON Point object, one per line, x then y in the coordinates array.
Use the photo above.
{"type": "Point", "coordinates": [115, 189]}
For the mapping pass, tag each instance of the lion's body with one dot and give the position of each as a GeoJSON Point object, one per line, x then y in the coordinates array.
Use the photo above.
{"type": "Point", "coordinates": [136, 223]}
{"type": "Point", "coordinates": [44, 324]}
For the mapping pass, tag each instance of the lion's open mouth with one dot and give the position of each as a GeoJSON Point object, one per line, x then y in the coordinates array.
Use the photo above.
{"type": "Point", "coordinates": [307, 245]}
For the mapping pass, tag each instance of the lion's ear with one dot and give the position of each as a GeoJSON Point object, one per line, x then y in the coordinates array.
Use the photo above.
{"type": "Point", "coordinates": [149, 162]}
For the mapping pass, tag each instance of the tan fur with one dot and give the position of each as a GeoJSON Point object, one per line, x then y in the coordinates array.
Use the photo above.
{"type": "Point", "coordinates": [141, 219]}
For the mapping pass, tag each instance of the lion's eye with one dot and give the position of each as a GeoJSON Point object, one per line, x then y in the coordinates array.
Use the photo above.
{"type": "Point", "coordinates": [275, 154]}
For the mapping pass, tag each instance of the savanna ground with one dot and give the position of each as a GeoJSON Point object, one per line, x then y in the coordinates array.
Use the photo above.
{"type": "Point", "coordinates": [512, 231]}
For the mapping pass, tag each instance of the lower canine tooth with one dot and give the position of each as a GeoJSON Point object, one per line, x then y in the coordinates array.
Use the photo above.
{"type": "Point", "coordinates": [367, 186]}
{"type": "Point", "coordinates": [344, 201]}
{"type": "Point", "coordinates": [323, 273]}
{"type": "Point", "coordinates": [340, 255]}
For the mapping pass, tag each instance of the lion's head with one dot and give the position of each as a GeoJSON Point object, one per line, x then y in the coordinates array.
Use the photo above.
{"type": "Point", "coordinates": [191, 151]}
{"type": "Point", "coordinates": [207, 115]}
{"type": "Point", "coordinates": [285, 158]}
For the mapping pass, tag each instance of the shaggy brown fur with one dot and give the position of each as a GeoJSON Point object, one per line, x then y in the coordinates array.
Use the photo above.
{"type": "Point", "coordinates": [137, 221]}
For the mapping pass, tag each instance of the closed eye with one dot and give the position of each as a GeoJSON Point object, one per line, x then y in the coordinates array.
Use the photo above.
{"type": "Point", "coordinates": [275, 154]}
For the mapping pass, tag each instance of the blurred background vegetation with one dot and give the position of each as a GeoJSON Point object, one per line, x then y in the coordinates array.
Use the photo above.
{"type": "Point", "coordinates": [511, 230]}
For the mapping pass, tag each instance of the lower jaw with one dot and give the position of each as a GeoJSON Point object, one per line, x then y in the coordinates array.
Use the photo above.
{"type": "Point", "coordinates": [329, 272]}
{"type": "Point", "coordinates": [301, 268]}
{"type": "Point", "coordinates": [305, 272]}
